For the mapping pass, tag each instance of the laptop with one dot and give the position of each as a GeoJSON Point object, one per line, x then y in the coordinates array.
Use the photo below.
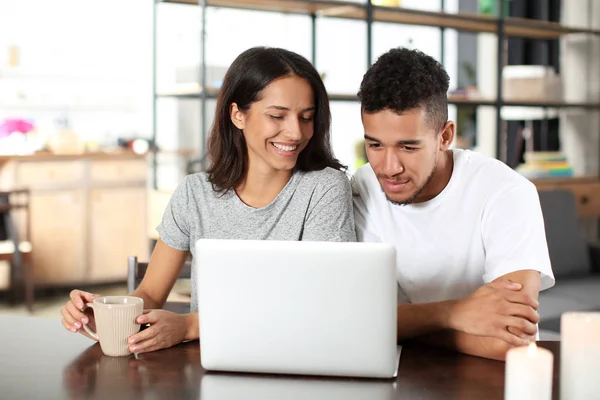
{"type": "Point", "coordinates": [219, 386]}
{"type": "Point", "coordinates": [293, 307]}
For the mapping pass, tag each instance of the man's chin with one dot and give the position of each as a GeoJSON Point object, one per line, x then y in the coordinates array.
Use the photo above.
{"type": "Point", "coordinates": [400, 200]}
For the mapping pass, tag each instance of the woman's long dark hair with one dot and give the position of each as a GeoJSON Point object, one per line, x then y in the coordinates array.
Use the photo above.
{"type": "Point", "coordinates": [250, 73]}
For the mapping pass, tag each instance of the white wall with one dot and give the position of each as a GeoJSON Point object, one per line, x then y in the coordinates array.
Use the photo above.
{"type": "Point", "coordinates": [84, 59]}
{"type": "Point", "coordinates": [92, 61]}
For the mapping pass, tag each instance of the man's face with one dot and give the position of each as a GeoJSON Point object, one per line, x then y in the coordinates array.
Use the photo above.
{"type": "Point", "coordinates": [403, 151]}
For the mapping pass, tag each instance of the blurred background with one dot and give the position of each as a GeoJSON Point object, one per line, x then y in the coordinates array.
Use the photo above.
{"type": "Point", "coordinates": [105, 107]}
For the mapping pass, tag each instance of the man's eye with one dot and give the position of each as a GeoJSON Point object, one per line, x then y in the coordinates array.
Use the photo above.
{"type": "Point", "coordinates": [374, 145]}
{"type": "Point", "coordinates": [410, 148]}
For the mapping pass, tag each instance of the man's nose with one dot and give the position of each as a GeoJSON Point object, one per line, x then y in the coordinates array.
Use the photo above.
{"type": "Point", "coordinates": [392, 163]}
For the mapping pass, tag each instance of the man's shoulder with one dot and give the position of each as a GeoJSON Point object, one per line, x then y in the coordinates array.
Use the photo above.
{"type": "Point", "coordinates": [363, 180]}
{"type": "Point", "coordinates": [489, 175]}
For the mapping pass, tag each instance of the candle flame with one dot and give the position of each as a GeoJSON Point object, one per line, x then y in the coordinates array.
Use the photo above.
{"type": "Point", "coordinates": [532, 348]}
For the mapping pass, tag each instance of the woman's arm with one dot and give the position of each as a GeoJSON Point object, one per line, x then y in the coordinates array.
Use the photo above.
{"type": "Point", "coordinates": [163, 270]}
{"type": "Point", "coordinates": [166, 328]}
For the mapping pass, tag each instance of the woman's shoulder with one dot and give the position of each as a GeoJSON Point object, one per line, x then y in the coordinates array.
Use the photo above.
{"type": "Point", "coordinates": [195, 185]}
{"type": "Point", "coordinates": [325, 179]}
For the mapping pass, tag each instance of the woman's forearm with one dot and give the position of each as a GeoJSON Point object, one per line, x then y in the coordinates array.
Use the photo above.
{"type": "Point", "coordinates": [192, 327]}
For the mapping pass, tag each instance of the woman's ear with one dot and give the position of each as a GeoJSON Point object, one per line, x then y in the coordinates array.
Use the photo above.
{"type": "Point", "coordinates": [237, 116]}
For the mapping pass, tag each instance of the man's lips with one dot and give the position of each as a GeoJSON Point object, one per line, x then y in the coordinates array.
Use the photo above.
{"type": "Point", "coordinates": [394, 185]}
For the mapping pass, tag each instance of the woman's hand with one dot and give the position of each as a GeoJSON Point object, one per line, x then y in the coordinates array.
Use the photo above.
{"type": "Point", "coordinates": [166, 330]}
{"type": "Point", "coordinates": [73, 318]}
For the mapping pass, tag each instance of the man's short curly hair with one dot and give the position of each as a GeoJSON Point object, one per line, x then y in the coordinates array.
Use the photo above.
{"type": "Point", "coordinates": [403, 79]}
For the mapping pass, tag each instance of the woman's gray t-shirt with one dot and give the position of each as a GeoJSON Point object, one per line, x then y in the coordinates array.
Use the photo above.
{"type": "Point", "coordinates": [313, 206]}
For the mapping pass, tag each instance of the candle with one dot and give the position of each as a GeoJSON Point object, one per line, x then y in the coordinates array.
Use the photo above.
{"type": "Point", "coordinates": [528, 374]}
{"type": "Point", "coordinates": [580, 355]}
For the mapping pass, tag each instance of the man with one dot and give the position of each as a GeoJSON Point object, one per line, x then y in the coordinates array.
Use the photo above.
{"type": "Point", "coordinates": [469, 233]}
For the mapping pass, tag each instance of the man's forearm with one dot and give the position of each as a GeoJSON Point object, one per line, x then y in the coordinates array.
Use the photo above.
{"type": "Point", "coordinates": [422, 319]}
{"type": "Point", "coordinates": [480, 346]}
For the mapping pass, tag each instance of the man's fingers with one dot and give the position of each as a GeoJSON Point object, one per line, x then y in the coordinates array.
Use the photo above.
{"type": "Point", "coordinates": [510, 338]}
{"type": "Point", "coordinates": [503, 283]}
{"type": "Point", "coordinates": [521, 334]}
{"type": "Point", "coordinates": [519, 310]}
{"type": "Point", "coordinates": [521, 324]}
{"type": "Point", "coordinates": [522, 298]}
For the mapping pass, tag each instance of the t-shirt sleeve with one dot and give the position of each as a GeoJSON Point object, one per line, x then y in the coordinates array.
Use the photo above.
{"type": "Point", "coordinates": [329, 217]}
{"type": "Point", "coordinates": [174, 228]}
{"type": "Point", "coordinates": [514, 235]}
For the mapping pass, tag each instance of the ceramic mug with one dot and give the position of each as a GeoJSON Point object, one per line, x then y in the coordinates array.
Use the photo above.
{"type": "Point", "coordinates": [115, 322]}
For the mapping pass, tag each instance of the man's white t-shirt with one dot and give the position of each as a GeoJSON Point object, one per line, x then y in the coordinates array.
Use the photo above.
{"type": "Point", "coordinates": [487, 222]}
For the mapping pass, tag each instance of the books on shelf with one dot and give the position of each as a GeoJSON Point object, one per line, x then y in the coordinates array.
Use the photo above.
{"type": "Point", "coordinates": [545, 165]}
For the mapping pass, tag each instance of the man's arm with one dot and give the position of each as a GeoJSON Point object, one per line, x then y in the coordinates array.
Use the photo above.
{"type": "Point", "coordinates": [487, 323]}
{"type": "Point", "coordinates": [489, 346]}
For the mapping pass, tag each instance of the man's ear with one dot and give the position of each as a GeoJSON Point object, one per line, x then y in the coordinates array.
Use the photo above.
{"type": "Point", "coordinates": [447, 135]}
{"type": "Point", "coordinates": [237, 116]}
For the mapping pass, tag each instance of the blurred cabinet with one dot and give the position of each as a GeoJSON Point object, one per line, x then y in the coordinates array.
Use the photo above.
{"type": "Point", "coordinates": [88, 214]}
{"type": "Point", "coordinates": [58, 236]}
{"type": "Point", "coordinates": [118, 231]}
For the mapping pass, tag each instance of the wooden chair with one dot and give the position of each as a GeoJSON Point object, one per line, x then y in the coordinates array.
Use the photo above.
{"type": "Point", "coordinates": [15, 246]}
{"type": "Point", "coordinates": [136, 271]}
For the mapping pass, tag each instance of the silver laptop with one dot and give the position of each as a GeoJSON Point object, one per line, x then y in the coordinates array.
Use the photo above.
{"type": "Point", "coordinates": [219, 386]}
{"type": "Point", "coordinates": [290, 307]}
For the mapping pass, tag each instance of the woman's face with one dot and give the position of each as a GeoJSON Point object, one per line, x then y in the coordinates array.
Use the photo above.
{"type": "Point", "coordinates": [278, 126]}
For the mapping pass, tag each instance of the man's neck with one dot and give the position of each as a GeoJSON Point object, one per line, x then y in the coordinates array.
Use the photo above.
{"type": "Point", "coordinates": [440, 178]}
{"type": "Point", "coordinates": [262, 185]}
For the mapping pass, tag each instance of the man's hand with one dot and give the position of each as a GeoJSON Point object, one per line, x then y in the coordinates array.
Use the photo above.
{"type": "Point", "coordinates": [498, 309]}
{"type": "Point", "coordinates": [166, 329]}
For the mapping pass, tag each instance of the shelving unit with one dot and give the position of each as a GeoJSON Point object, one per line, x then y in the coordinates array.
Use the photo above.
{"type": "Point", "coordinates": [501, 27]}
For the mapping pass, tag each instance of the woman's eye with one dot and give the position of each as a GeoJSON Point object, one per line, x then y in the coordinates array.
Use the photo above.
{"type": "Point", "coordinates": [276, 116]}
{"type": "Point", "coordinates": [310, 118]}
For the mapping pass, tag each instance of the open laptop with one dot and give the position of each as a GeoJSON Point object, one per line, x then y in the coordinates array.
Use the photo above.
{"type": "Point", "coordinates": [291, 307]}
{"type": "Point", "coordinates": [219, 386]}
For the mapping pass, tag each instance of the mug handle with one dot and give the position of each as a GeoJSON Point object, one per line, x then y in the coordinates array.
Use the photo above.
{"type": "Point", "coordinates": [86, 327]}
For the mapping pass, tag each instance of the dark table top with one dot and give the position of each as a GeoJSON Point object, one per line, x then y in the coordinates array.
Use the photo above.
{"type": "Point", "coordinates": [39, 359]}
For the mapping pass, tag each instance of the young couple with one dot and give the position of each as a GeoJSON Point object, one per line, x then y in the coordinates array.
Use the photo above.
{"type": "Point", "coordinates": [469, 233]}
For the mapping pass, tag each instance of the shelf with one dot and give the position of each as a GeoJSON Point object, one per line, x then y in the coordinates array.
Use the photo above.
{"type": "Point", "coordinates": [452, 99]}
{"type": "Point", "coordinates": [475, 23]}
{"type": "Point", "coordinates": [550, 104]}
{"type": "Point", "coordinates": [306, 7]}
{"type": "Point", "coordinates": [189, 91]}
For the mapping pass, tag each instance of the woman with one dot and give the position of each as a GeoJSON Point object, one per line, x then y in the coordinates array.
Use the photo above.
{"type": "Point", "coordinates": [272, 175]}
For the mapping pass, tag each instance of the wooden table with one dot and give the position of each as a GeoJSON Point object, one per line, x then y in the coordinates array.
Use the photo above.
{"type": "Point", "coordinates": [40, 359]}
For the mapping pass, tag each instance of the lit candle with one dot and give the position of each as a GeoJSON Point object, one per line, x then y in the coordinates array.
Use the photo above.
{"type": "Point", "coordinates": [528, 374]}
{"type": "Point", "coordinates": [580, 355]}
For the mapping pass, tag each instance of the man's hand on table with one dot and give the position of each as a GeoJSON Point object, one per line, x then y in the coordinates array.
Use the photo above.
{"type": "Point", "coordinates": [166, 330]}
{"type": "Point", "coordinates": [500, 310]}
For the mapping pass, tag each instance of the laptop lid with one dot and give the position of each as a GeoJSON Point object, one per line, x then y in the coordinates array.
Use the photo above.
{"type": "Point", "coordinates": [316, 308]}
